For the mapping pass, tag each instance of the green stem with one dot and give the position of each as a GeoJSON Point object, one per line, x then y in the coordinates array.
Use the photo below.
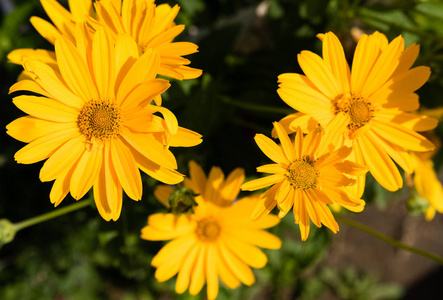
{"type": "Point", "coordinates": [256, 107]}
{"type": "Point", "coordinates": [389, 240]}
{"type": "Point", "coordinates": [50, 215]}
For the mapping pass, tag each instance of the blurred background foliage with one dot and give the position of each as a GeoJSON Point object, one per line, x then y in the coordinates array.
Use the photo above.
{"type": "Point", "coordinates": [244, 45]}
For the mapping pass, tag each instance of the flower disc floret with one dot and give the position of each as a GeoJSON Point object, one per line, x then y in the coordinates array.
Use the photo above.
{"type": "Point", "coordinates": [302, 174]}
{"type": "Point", "coordinates": [358, 108]}
{"type": "Point", "coordinates": [100, 120]}
{"type": "Point", "coordinates": [208, 230]}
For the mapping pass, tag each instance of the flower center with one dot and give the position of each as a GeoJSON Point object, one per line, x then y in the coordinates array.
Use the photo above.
{"type": "Point", "coordinates": [359, 110]}
{"type": "Point", "coordinates": [302, 174]}
{"type": "Point", "coordinates": [99, 119]}
{"type": "Point", "coordinates": [208, 230]}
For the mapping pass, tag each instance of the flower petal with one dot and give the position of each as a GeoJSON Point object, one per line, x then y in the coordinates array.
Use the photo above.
{"type": "Point", "coordinates": [379, 163]}
{"type": "Point", "coordinates": [126, 169]}
{"type": "Point", "coordinates": [319, 73]}
{"type": "Point", "coordinates": [270, 148]}
{"type": "Point", "coordinates": [74, 70]}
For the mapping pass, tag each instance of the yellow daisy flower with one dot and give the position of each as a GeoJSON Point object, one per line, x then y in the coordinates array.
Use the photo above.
{"type": "Point", "coordinates": [151, 26]}
{"type": "Point", "coordinates": [217, 241]}
{"type": "Point", "coordinates": [376, 95]}
{"type": "Point", "coordinates": [94, 123]}
{"type": "Point", "coordinates": [427, 184]}
{"type": "Point", "coordinates": [306, 176]}
{"type": "Point", "coordinates": [425, 180]}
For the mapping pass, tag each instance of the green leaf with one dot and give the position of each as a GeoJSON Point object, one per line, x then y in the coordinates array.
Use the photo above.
{"type": "Point", "coordinates": [431, 8]}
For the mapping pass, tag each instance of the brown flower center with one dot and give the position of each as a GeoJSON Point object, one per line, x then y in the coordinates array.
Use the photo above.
{"type": "Point", "coordinates": [99, 119]}
{"type": "Point", "coordinates": [302, 174]}
{"type": "Point", "coordinates": [208, 230]}
{"type": "Point", "coordinates": [359, 110]}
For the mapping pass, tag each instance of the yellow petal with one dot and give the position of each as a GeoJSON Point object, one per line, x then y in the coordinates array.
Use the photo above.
{"type": "Point", "coordinates": [247, 253]}
{"type": "Point", "coordinates": [62, 159]}
{"type": "Point", "coordinates": [108, 192]}
{"type": "Point", "coordinates": [401, 85]}
{"type": "Point", "coordinates": [44, 146]}
{"type": "Point", "coordinates": [198, 275]}
{"type": "Point", "coordinates": [18, 56]}
{"type": "Point", "coordinates": [144, 69]}
{"type": "Point", "coordinates": [285, 204]}
{"type": "Point", "coordinates": [166, 36]}
{"type": "Point", "coordinates": [310, 208]}
{"type": "Point", "coordinates": [59, 16]}
{"type": "Point", "coordinates": [28, 85]}
{"type": "Point", "coordinates": [266, 203]}
{"type": "Point", "coordinates": [126, 54]}
{"type": "Point", "coordinates": [407, 59]}
{"type": "Point", "coordinates": [312, 141]}
{"type": "Point", "coordinates": [333, 132]}
{"type": "Point", "coordinates": [334, 57]}
{"type": "Point", "coordinates": [383, 68]}
{"type": "Point", "coordinates": [184, 275]}
{"type": "Point", "coordinates": [379, 163]}
{"type": "Point", "coordinates": [156, 171]}
{"type": "Point", "coordinates": [402, 136]}
{"type": "Point", "coordinates": [263, 182]}
{"type": "Point", "coordinates": [303, 96]}
{"type": "Point", "coordinates": [45, 108]}
{"type": "Point", "coordinates": [326, 216]}
{"type": "Point", "coordinates": [215, 179]}
{"type": "Point", "coordinates": [45, 29]}
{"type": "Point", "coordinates": [366, 54]}
{"type": "Point", "coordinates": [259, 238]}
{"type": "Point", "coordinates": [198, 177]}
{"type": "Point", "coordinates": [126, 169]}
{"type": "Point", "coordinates": [271, 168]}
{"type": "Point", "coordinates": [287, 147]}
{"type": "Point", "coordinates": [86, 172]}
{"type": "Point", "coordinates": [398, 154]}
{"type": "Point", "coordinates": [51, 81]}
{"type": "Point", "coordinates": [143, 93]}
{"type": "Point", "coordinates": [270, 148]}
{"type": "Point", "coordinates": [80, 9]}
{"type": "Point", "coordinates": [230, 188]}
{"type": "Point", "coordinates": [298, 144]}
{"type": "Point", "coordinates": [170, 267]}
{"type": "Point", "coordinates": [103, 58]}
{"type": "Point", "coordinates": [27, 129]}
{"type": "Point", "coordinates": [237, 266]}
{"type": "Point", "coordinates": [185, 138]}
{"type": "Point", "coordinates": [150, 148]}
{"type": "Point", "coordinates": [178, 247]}
{"type": "Point", "coordinates": [185, 72]}
{"type": "Point", "coordinates": [226, 275]}
{"type": "Point", "coordinates": [304, 222]}
{"type": "Point", "coordinates": [408, 102]}
{"type": "Point", "coordinates": [319, 73]}
{"type": "Point", "coordinates": [162, 193]}
{"type": "Point", "coordinates": [211, 272]}
{"type": "Point", "coordinates": [60, 188]}
{"type": "Point", "coordinates": [411, 121]}
{"type": "Point", "coordinates": [74, 70]}
{"type": "Point", "coordinates": [177, 49]}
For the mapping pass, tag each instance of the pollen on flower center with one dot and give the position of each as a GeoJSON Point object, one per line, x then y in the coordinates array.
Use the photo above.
{"type": "Point", "coordinates": [99, 119]}
{"type": "Point", "coordinates": [208, 230]}
{"type": "Point", "coordinates": [302, 174]}
{"type": "Point", "coordinates": [359, 110]}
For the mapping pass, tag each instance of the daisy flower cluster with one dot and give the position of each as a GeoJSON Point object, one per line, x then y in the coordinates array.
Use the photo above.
{"type": "Point", "coordinates": [95, 112]}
